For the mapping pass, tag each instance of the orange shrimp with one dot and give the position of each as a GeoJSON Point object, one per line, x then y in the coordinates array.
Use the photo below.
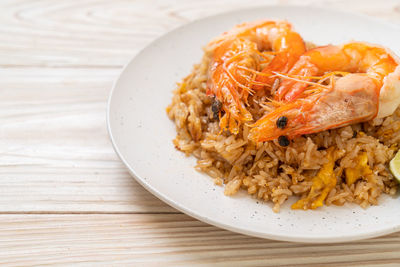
{"type": "Point", "coordinates": [237, 59]}
{"type": "Point", "coordinates": [289, 46]}
{"type": "Point", "coordinates": [352, 98]}
{"type": "Point", "coordinates": [354, 57]}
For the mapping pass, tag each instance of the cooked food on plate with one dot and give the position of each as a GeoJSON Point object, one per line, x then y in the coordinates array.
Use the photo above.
{"type": "Point", "coordinates": [269, 113]}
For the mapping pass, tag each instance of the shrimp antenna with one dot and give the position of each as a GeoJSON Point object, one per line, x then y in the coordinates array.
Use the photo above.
{"type": "Point", "coordinates": [289, 77]}
{"type": "Point", "coordinates": [251, 91]}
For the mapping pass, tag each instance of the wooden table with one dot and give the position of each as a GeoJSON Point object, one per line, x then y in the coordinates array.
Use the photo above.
{"type": "Point", "coordinates": [65, 198]}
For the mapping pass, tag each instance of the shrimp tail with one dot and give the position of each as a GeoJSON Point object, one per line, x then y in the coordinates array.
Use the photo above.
{"type": "Point", "coordinates": [289, 46]}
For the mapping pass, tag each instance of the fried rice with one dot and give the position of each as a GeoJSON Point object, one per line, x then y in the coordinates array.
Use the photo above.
{"type": "Point", "coordinates": [270, 172]}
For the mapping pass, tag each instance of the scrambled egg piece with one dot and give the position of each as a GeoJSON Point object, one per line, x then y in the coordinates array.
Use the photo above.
{"type": "Point", "coordinates": [323, 183]}
{"type": "Point", "coordinates": [325, 180]}
{"type": "Point", "coordinates": [361, 170]}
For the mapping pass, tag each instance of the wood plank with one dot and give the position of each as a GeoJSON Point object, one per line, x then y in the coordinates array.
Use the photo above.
{"type": "Point", "coordinates": [108, 33]}
{"type": "Point", "coordinates": [169, 239]}
{"type": "Point", "coordinates": [55, 154]}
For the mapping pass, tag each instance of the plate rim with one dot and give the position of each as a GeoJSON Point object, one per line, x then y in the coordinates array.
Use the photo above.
{"type": "Point", "coordinates": [181, 208]}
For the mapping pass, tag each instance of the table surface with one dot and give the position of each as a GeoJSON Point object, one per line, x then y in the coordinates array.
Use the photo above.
{"type": "Point", "coordinates": [65, 197]}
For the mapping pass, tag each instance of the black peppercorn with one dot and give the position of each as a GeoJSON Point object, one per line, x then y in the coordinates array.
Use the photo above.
{"type": "Point", "coordinates": [281, 122]}
{"type": "Point", "coordinates": [283, 140]}
{"type": "Point", "coordinates": [216, 107]}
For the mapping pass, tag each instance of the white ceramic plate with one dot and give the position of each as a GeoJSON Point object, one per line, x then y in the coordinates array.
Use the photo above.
{"type": "Point", "coordinates": [142, 133]}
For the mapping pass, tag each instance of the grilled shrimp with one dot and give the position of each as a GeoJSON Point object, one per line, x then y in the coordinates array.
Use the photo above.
{"type": "Point", "coordinates": [372, 91]}
{"type": "Point", "coordinates": [237, 64]}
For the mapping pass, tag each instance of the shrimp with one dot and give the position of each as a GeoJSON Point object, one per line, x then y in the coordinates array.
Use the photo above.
{"type": "Point", "coordinates": [354, 57]}
{"type": "Point", "coordinates": [349, 98]}
{"type": "Point", "coordinates": [290, 46]}
{"type": "Point", "coordinates": [237, 60]}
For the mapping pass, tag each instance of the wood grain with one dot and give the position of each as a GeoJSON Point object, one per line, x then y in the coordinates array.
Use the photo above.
{"type": "Point", "coordinates": [170, 240]}
{"type": "Point", "coordinates": [55, 152]}
{"type": "Point", "coordinates": [65, 198]}
{"type": "Point", "coordinates": [106, 34]}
